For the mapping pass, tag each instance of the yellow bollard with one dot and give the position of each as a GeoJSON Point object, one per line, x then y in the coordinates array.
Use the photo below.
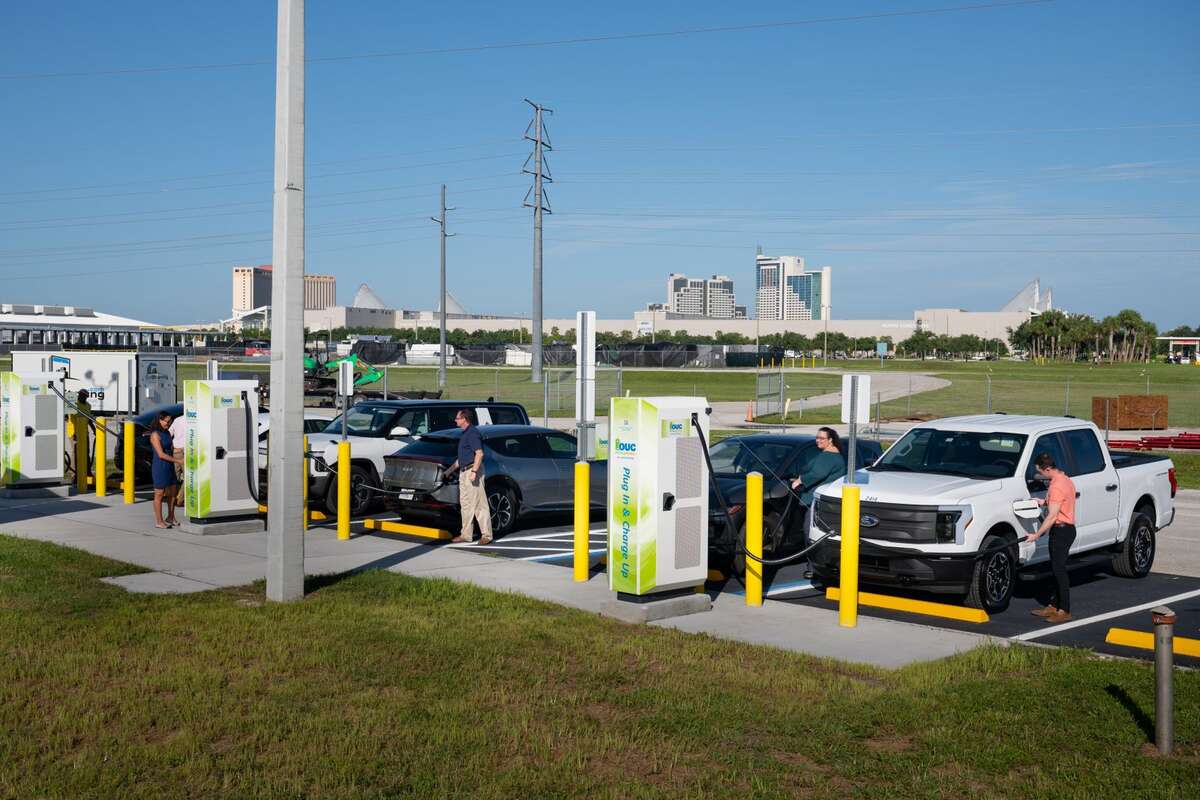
{"type": "Point", "coordinates": [583, 519]}
{"type": "Point", "coordinates": [304, 461]}
{"type": "Point", "coordinates": [101, 461]}
{"type": "Point", "coordinates": [128, 477]}
{"type": "Point", "coordinates": [848, 605]}
{"type": "Point", "coordinates": [754, 538]}
{"type": "Point", "coordinates": [343, 491]}
{"type": "Point", "coordinates": [81, 452]}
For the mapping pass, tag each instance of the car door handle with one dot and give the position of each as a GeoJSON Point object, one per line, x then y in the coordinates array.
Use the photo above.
{"type": "Point", "coordinates": [1112, 487]}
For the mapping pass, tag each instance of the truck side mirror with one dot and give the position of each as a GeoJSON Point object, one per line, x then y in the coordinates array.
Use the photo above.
{"type": "Point", "coordinates": [399, 431]}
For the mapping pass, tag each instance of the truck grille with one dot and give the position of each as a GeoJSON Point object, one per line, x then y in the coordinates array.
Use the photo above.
{"type": "Point", "coordinates": [408, 473]}
{"type": "Point", "coordinates": [896, 523]}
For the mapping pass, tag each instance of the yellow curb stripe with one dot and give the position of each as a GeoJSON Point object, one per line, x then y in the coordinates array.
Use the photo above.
{"type": "Point", "coordinates": [410, 530]}
{"type": "Point", "coordinates": [1145, 641]}
{"type": "Point", "coordinates": [960, 613]}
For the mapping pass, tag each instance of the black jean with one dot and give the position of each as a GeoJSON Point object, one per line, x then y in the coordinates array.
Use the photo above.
{"type": "Point", "coordinates": [1061, 539]}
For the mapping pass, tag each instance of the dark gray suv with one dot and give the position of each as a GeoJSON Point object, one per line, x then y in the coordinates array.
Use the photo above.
{"type": "Point", "coordinates": [526, 469]}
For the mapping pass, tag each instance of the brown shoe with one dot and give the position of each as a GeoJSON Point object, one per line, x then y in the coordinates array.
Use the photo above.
{"type": "Point", "coordinates": [1043, 612]}
{"type": "Point", "coordinates": [486, 540]}
{"type": "Point", "coordinates": [460, 540]}
{"type": "Point", "coordinates": [1058, 616]}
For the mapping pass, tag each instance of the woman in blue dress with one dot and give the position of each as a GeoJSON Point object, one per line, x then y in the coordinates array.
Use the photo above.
{"type": "Point", "coordinates": [162, 470]}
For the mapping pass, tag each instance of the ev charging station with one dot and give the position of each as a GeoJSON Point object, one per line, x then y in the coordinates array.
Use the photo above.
{"type": "Point", "coordinates": [221, 450]}
{"type": "Point", "coordinates": [31, 429]}
{"type": "Point", "coordinates": [657, 497]}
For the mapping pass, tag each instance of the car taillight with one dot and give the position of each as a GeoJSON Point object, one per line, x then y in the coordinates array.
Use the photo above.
{"type": "Point", "coordinates": [947, 523]}
{"type": "Point", "coordinates": [1174, 482]}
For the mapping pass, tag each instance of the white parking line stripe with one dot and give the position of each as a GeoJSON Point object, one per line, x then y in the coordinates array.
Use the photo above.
{"type": "Point", "coordinates": [566, 554]}
{"type": "Point", "coordinates": [1066, 626]}
{"type": "Point", "coordinates": [538, 536]}
{"type": "Point", "coordinates": [465, 546]}
{"type": "Point", "coordinates": [783, 588]}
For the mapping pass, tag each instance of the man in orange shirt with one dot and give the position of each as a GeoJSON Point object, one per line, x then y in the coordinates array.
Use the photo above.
{"type": "Point", "coordinates": [1060, 523]}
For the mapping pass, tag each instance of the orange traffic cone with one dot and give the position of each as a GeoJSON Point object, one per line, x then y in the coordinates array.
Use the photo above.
{"type": "Point", "coordinates": [750, 412]}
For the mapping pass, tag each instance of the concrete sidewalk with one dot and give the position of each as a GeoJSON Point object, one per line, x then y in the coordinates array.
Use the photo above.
{"type": "Point", "coordinates": [183, 563]}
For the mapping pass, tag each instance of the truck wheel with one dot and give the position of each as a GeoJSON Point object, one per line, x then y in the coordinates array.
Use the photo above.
{"type": "Point", "coordinates": [1137, 552]}
{"type": "Point", "coordinates": [502, 502]}
{"type": "Point", "coordinates": [994, 577]}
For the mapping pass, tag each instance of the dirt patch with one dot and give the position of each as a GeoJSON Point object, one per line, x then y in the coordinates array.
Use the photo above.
{"type": "Point", "coordinates": [954, 773]}
{"type": "Point", "coordinates": [889, 743]}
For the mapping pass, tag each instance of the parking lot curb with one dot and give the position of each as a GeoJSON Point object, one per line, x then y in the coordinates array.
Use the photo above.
{"type": "Point", "coordinates": [926, 607]}
{"type": "Point", "coordinates": [1144, 640]}
{"type": "Point", "coordinates": [388, 526]}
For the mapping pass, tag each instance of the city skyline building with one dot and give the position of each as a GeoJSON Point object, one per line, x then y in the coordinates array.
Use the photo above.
{"type": "Point", "coordinates": [786, 290]}
{"type": "Point", "coordinates": [252, 289]}
{"type": "Point", "coordinates": [712, 298]}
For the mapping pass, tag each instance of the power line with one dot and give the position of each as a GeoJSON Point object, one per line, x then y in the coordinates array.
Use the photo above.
{"type": "Point", "coordinates": [171, 179]}
{"type": "Point", "coordinates": [705, 245]}
{"type": "Point", "coordinates": [530, 44]}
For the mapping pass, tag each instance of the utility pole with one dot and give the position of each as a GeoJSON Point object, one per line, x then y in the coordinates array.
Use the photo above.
{"type": "Point", "coordinates": [536, 199]}
{"type": "Point", "coordinates": [287, 472]}
{"type": "Point", "coordinates": [442, 332]}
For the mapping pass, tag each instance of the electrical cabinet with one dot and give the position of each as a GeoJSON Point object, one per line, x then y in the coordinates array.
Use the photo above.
{"type": "Point", "coordinates": [31, 429]}
{"type": "Point", "coordinates": [220, 449]}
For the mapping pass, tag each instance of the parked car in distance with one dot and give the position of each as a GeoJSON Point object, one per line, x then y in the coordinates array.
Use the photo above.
{"type": "Point", "coordinates": [526, 469]}
{"type": "Point", "coordinates": [946, 508]}
{"type": "Point", "coordinates": [379, 428]}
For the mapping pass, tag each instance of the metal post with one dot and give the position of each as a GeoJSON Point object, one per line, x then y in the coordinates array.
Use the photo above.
{"type": "Point", "coordinates": [288, 470]}
{"type": "Point", "coordinates": [782, 388]}
{"type": "Point", "coordinates": [128, 477]}
{"type": "Point", "coordinates": [989, 394]}
{"type": "Point", "coordinates": [386, 370]}
{"type": "Point", "coordinates": [545, 404]}
{"type": "Point", "coordinates": [754, 538]}
{"type": "Point", "coordinates": [1106, 402]}
{"type": "Point", "coordinates": [851, 449]}
{"type": "Point", "coordinates": [1164, 669]}
{"type": "Point", "coordinates": [101, 461]}
{"type": "Point", "coordinates": [343, 488]}
{"type": "Point", "coordinates": [878, 403]}
{"type": "Point", "coordinates": [583, 512]}
{"type": "Point", "coordinates": [908, 408]}
{"type": "Point", "coordinates": [1067, 400]}
{"type": "Point", "coordinates": [848, 565]}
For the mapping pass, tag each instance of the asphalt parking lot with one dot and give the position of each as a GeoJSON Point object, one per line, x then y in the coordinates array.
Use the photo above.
{"type": "Point", "coordinates": [1099, 599]}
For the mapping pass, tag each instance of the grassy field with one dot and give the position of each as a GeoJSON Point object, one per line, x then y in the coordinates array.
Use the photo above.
{"type": "Point", "coordinates": [380, 685]}
{"type": "Point", "coordinates": [1187, 468]}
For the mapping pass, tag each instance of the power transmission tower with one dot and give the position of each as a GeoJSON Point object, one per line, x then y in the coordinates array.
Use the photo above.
{"type": "Point", "coordinates": [537, 199]}
{"type": "Point", "coordinates": [442, 332]}
{"type": "Point", "coordinates": [287, 469]}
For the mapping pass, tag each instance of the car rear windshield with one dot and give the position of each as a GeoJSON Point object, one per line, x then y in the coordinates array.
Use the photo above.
{"type": "Point", "coordinates": [970, 454]}
{"type": "Point", "coordinates": [432, 447]}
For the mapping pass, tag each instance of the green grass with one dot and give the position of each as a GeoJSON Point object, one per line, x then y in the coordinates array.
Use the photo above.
{"type": "Point", "coordinates": [380, 685]}
{"type": "Point", "coordinates": [1187, 468]}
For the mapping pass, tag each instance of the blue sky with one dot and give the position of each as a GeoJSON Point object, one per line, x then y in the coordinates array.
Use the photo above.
{"type": "Point", "coordinates": [932, 160]}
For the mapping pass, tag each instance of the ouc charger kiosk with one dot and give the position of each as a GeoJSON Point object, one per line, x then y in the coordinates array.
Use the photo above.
{"type": "Point", "coordinates": [31, 430]}
{"type": "Point", "coordinates": [221, 456]}
{"type": "Point", "coordinates": [657, 507]}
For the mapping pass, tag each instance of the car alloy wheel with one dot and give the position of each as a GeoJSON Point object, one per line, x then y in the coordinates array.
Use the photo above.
{"type": "Point", "coordinates": [998, 577]}
{"type": "Point", "coordinates": [501, 507]}
{"type": "Point", "coordinates": [1143, 548]}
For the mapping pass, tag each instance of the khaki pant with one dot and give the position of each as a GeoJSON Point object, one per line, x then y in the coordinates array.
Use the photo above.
{"type": "Point", "coordinates": [472, 502]}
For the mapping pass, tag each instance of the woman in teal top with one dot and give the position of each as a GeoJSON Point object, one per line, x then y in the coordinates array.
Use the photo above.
{"type": "Point", "coordinates": [829, 465]}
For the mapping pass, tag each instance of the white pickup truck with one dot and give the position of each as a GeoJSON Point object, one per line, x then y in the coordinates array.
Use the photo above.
{"type": "Point", "coordinates": [379, 428]}
{"type": "Point", "coordinates": [947, 507]}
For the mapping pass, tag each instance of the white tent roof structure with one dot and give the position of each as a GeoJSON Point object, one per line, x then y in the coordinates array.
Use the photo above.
{"type": "Point", "coordinates": [1031, 298]}
{"type": "Point", "coordinates": [453, 306]}
{"type": "Point", "coordinates": [365, 297]}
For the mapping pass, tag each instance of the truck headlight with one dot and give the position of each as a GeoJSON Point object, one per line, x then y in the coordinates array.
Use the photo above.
{"type": "Point", "coordinates": [947, 525]}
